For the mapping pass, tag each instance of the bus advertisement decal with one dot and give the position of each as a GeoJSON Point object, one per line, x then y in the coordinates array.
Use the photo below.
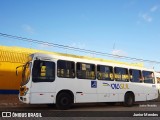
{"type": "Point", "coordinates": [117, 85]}
{"type": "Point", "coordinates": [106, 84]}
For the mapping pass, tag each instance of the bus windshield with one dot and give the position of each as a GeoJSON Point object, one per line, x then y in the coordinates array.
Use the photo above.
{"type": "Point", "coordinates": [26, 73]}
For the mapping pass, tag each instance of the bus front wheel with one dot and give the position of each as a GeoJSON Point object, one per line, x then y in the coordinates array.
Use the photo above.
{"type": "Point", "coordinates": [129, 99]}
{"type": "Point", "coordinates": [63, 101]}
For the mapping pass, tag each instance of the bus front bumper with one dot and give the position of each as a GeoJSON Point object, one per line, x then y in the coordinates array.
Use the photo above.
{"type": "Point", "coordinates": [24, 99]}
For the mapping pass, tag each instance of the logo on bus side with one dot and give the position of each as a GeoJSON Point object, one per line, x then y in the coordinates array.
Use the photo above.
{"type": "Point", "coordinates": [117, 85]}
{"type": "Point", "coordinates": [93, 84]}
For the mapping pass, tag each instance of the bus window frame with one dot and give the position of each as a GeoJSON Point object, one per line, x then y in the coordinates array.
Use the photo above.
{"type": "Point", "coordinates": [121, 74]}
{"type": "Point", "coordinates": [74, 71]}
{"type": "Point", "coordinates": [108, 73]}
{"type": "Point", "coordinates": [95, 71]}
{"type": "Point", "coordinates": [46, 80]}
{"type": "Point", "coordinates": [153, 78]}
{"type": "Point", "coordinates": [141, 80]}
{"type": "Point", "coordinates": [158, 80]}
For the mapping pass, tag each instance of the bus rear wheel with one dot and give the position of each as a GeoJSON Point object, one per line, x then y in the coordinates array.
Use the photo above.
{"type": "Point", "coordinates": [64, 101]}
{"type": "Point", "coordinates": [129, 99]}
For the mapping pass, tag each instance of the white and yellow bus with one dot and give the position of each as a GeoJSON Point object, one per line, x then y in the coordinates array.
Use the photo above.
{"type": "Point", "coordinates": [64, 80]}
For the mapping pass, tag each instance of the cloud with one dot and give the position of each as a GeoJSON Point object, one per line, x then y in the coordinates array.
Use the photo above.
{"type": "Point", "coordinates": [119, 52]}
{"type": "Point", "coordinates": [154, 8]}
{"type": "Point", "coordinates": [78, 45]}
{"type": "Point", "coordinates": [28, 29]}
{"type": "Point", "coordinates": [45, 45]}
{"type": "Point", "coordinates": [147, 17]}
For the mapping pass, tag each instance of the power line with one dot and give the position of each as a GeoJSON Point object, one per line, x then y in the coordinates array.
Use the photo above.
{"type": "Point", "coordinates": [74, 48]}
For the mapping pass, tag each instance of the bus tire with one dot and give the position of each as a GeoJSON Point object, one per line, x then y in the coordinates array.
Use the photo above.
{"type": "Point", "coordinates": [129, 99]}
{"type": "Point", "coordinates": [63, 101]}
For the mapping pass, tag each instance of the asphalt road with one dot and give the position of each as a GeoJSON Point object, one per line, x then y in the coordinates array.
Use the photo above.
{"type": "Point", "coordinates": [12, 102]}
{"type": "Point", "coordinates": [102, 110]}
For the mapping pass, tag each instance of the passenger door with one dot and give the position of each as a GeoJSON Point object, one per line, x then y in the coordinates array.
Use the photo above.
{"type": "Point", "coordinates": [86, 87]}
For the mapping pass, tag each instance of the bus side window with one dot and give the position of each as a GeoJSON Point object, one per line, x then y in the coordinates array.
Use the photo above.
{"type": "Point", "coordinates": [43, 71]}
{"type": "Point", "coordinates": [148, 77]}
{"type": "Point", "coordinates": [158, 80]}
{"type": "Point", "coordinates": [135, 75]}
{"type": "Point", "coordinates": [121, 74]}
{"type": "Point", "coordinates": [85, 71]}
{"type": "Point", "coordinates": [104, 72]}
{"type": "Point", "coordinates": [65, 69]}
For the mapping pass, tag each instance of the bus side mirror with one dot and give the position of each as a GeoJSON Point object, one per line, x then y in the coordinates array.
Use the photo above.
{"type": "Point", "coordinates": [17, 68]}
